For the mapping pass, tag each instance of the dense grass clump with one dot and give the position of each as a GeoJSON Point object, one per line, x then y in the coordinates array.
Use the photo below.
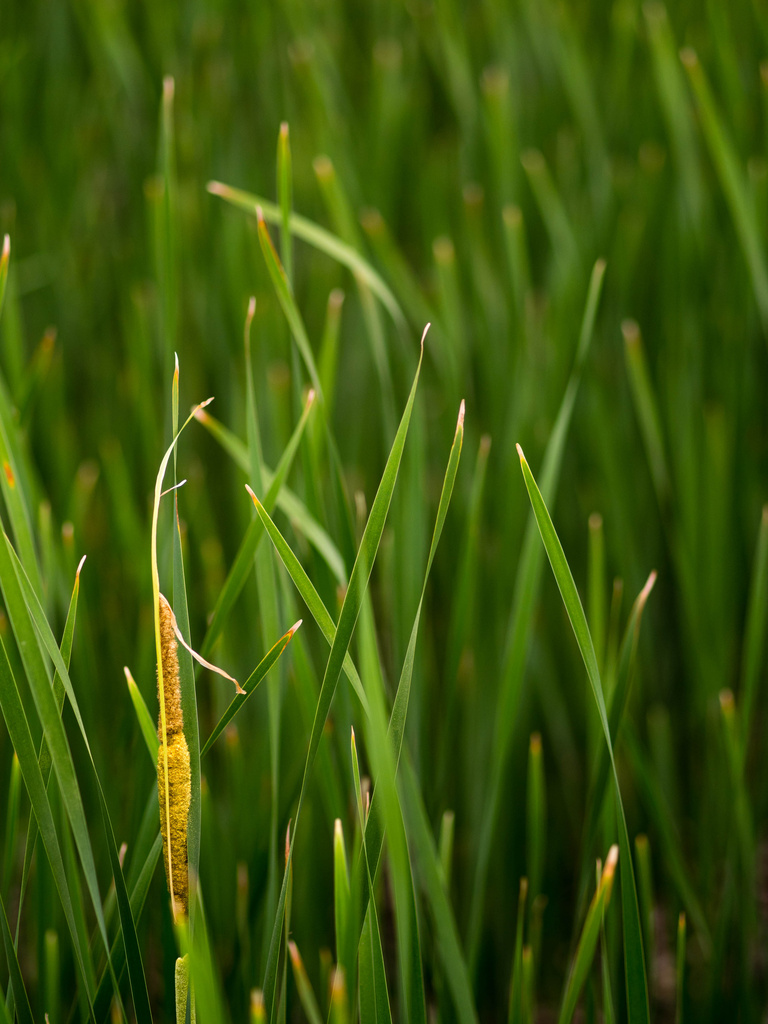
{"type": "Point", "coordinates": [506, 763]}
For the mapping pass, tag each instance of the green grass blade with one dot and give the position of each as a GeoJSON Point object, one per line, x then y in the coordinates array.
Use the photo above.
{"type": "Point", "coordinates": [17, 505]}
{"type": "Point", "coordinates": [645, 892]}
{"type": "Point", "coordinates": [250, 546]}
{"type": "Point", "coordinates": [285, 197]}
{"type": "Point", "coordinates": [527, 582]}
{"type": "Point", "coordinates": [286, 500]}
{"type": "Point", "coordinates": [375, 824]}
{"type": "Point", "coordinates": [647, 411]}
{"type": "Point", "coordinates": [618, 703]}
{"type": "Point", "coordinates": [20, 997]}
{"type": "Point", "coordinates": [304, 986]}
{"type": "Point", "coordinates": [382, 1009]}
{"type": "Point", "coordinates": [732, 181]}
{"type": "Point", "coordinates": [103, 1000]}
{"type": "Point", "coordinates": [310, 596]}
{"type": "Point", "coordinates": [350, 610]}
{"type": "Point", "coordinates": [342, 897]}
{"type": "Point", "coordinates": [11, 822]}
{"type": "Point", "coordinates": [536, 817]}
{"type": "Point", "coordinates": [675, 104]}
{"type": "Point", "coordinates": [44, 757]}
{"type": "Point", "coordinates": [320, 239]}
{"type": "Point", "coordinates": [637, 988]}
{"type": "Point", "coordinates": [588, 941]}
{"type": "Point", "coordinates": [288, 303]}
{"type": "Point", "coordinates": [680, 970]}
{"type": "Point", "coordinates": [21, 738]}
{"type": "Point", "coordinates": [202, 971]}
{"type": "Point", "coordinates": [516, 989]}
{"type": "Point", "coordinates": [269, 616]}
{"type": "Point", "coordinates": [667, 832]}
{"type": "Point", "coordinates": [250, 685]}
{"type": "Point", "coordinates": [16, 590]}
{"type": "Point", "coordinates": [755, 630]}
{"type": "Point", "coordinates": [427, 867]}
{"type": "Point", "coordinates": [146, 724]}
{"type": "Point", "coordinates": [62, 762]}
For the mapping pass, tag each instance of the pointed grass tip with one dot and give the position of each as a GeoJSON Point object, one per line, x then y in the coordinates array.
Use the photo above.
{"type": "Point", "coordinates": [610, 864]}
{"type": "Point", "coordinates": [294, 628]}
{"type": "Point", "coordinates": [726, 702]}
{"type": "Point", "coordinates": [521, 455]}
{"type": "Point", "coordinates": [80, 565]}
{"type": "Point", "coordinates": [649, 584]}
{"type": "Point", "coordinates": [176, 365]}
{"type": "Point", "coordinates": [311, 395]}
{"type": "Point", "coordinates": [169, 87]}
{"type": "Point", "coordinates": [284, 130]}
{"type": "Point", "coordinates": [128, 677]}
{"type": "Point", "coordinates": [251, 309]}
{"type": "Point", "coordinates": [460, 421]}
{"type": "Point", "coordinates": [6, 253]}
{"type": "Point", "coordinates": [424, 335]}
{"type": "Point", "coordinates": [630, 330]}
{"type": "Point", "coordinates": [216, 188]}
{"type": "Point", "coordinates": [254, 499]}
{"type": "Point", "coordinates": [260, 215]}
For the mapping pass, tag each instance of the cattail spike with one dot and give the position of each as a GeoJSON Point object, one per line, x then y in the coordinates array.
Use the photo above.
{"type": "Point", "coordinates": [173, 758]}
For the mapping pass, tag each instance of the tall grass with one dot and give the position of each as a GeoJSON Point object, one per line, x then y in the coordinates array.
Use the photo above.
{"type": "Point", "coordinates": [268, 206]}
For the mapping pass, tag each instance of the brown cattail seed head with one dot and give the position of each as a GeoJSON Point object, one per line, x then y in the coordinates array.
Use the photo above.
{"type": "Point", "coordinates": [174, 753]}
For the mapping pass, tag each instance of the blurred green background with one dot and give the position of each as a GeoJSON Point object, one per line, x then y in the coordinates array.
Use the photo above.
{"type": "Point", "coordinates": [482, 157]}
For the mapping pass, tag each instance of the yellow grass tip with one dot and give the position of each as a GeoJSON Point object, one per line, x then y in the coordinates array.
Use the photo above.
{"type": "Point", "coordinates": [254, 499]}
{"type": "Point", "coordinates": [294, 627]}
{"type": "Point", "coordinates": [630, 330]}
{"type": "Point", "coordinates": [79, 567]}
{"type": "Point", "coordinates": [339, 987]}
{"type": "Point", "coordinates": [460, 422]}
{"type": "Point", "coordinates": [296, 960]}
{"type": "Point", "coordinates": [610, 864]}
{"type": "Point", "coordinates": [649, 585]}
{"type": "Point", "coordinates": [726, 702]}
{"type": "Point", "coordinates": [520, 454]}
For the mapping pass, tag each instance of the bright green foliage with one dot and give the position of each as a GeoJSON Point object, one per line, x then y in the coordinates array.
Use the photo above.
{"type": "Point", "coordinates": [575, 196]}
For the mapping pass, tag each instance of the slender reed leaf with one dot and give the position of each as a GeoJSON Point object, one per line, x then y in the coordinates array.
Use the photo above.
{"type": "Point", "coordinates": [634, 962]}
